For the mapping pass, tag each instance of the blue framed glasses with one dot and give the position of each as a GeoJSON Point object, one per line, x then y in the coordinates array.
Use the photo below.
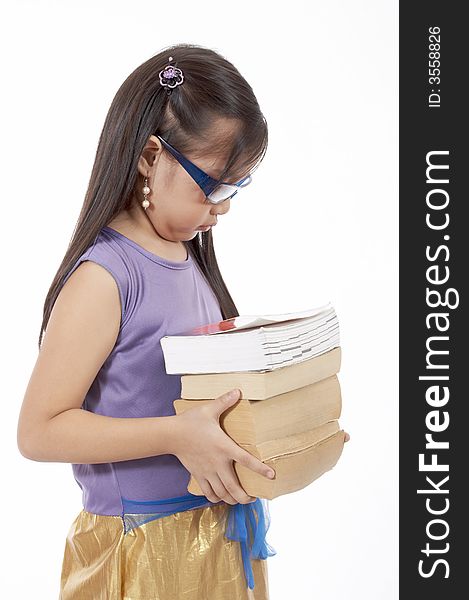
{"type": "Point", "coordinates": [216, 191]}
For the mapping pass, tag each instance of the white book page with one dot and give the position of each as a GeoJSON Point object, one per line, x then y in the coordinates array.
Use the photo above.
{"type": "Point", "coordinates": [246, 321]}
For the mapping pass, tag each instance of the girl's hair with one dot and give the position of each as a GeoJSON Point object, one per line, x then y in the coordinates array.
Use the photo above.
{"type": "Point", "coordinates": [212, 89]}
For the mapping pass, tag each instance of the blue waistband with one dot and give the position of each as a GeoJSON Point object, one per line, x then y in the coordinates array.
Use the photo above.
{"type": "Point", "coordinates": [246, 523]}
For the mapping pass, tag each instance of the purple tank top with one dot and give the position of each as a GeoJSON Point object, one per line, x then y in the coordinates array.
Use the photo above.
{"type": "Point", "coordinates": [158, 297]}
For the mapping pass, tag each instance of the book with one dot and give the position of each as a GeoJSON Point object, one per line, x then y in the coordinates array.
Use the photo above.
{"type": "Point", "coordinates": [298, 460]}
{"type": "Point", "coordinates": [249, 321]}
{"type": "Point", "coordinates": [254, 422]}
{"type": "Point", "coordinates": [252, 343]}
{"type": "Point", "coordinates": [286, 367]}
{"type": "Point", "coordinates": [259, 385]}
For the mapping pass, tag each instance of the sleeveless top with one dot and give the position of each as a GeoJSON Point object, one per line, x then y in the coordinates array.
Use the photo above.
{"type": "Point", "coordinates": [158, 297]}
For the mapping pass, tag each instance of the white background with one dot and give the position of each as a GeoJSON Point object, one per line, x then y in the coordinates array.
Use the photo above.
{"type": "Point", "coordinates": [318, 223]}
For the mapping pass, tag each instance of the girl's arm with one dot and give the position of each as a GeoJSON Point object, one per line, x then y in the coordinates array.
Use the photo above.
{"type": "Point", "coordinates": [80, 436]}
{"type": "Point", "coordinates": [81, 333]}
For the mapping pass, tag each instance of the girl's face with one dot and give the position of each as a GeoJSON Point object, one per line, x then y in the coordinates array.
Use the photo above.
{"type": "Point", "coordinates": [178, 206]}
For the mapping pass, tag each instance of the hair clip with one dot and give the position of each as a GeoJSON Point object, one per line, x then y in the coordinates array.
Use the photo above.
{"type": "Point", "coordinates": [171, 76]}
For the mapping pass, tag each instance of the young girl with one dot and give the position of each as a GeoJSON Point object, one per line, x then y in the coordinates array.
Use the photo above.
{"type": "Point", "coordinates": [182, 137]}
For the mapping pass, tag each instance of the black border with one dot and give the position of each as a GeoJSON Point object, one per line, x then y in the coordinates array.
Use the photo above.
{"type": "Point", "coordinates": [423, 129]}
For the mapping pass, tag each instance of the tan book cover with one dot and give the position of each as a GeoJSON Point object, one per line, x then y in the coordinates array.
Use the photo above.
{"type": "Point", "coordinates": [256, 421]}
{"type": "Point", "coordinates": [259, 385]}
{"type": "Point", "coordinates": [297, 460]}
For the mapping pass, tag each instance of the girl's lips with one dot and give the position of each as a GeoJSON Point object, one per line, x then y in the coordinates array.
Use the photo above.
{"type": "Point", "coordinates": [205, 228]}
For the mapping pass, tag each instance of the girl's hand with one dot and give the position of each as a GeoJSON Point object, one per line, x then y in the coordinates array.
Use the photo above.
{"type": "Point", "coordinates": [208, 452]}
{"type": "Point", "coordinates": [347, 437]}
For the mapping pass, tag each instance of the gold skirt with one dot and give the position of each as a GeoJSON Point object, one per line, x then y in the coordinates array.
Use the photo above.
{"type": "Point", "coordinates": [182, 556]}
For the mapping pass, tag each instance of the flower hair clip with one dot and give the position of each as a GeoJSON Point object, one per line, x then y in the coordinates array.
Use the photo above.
{"type": "Point", "coordinates": [171, 76]}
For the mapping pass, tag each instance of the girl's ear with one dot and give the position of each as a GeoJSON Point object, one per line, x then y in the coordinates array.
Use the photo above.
{"type": "Point", "coordinates": [150, 155]}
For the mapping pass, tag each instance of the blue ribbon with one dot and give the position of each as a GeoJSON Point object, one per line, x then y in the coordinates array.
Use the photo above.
{"type": "Point", "coordinates": [246, 523]}
{"type": "Point", "coordinates": [241, 517]}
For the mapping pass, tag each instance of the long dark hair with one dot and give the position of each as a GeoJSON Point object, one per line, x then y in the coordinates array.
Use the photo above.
{"type": "Point", "coordinates": [213, 88]}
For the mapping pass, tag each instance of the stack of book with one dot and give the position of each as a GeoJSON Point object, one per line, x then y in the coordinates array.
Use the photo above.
{"type": "Point", "coordinates": [286, 368]}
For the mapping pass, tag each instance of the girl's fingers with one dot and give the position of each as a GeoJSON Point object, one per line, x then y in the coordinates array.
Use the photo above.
{"type": "Point", "coordinates": [231, 482]}
{"type": "Point", "coordinates": [221, 491]}
{"type": "Point", "coordinates": [207, 490]}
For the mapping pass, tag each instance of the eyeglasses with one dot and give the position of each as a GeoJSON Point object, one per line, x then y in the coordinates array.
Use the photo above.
{"type": "Point", "coordinates": [216, 191]}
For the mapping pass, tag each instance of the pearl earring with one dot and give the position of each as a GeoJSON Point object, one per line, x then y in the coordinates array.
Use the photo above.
{"type": "Point", "coordinates": [146, 190]}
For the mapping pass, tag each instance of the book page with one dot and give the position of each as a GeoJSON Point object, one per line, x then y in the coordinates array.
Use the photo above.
{"type": "Point", "coordinates": [249, 321]}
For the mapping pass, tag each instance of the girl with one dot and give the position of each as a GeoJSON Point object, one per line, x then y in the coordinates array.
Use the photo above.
{"type": "Point", "coordinates": [182, 137]}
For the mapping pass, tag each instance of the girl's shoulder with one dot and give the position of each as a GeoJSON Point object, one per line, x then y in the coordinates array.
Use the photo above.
{"type": "Point", "coordinates": [112, 256]}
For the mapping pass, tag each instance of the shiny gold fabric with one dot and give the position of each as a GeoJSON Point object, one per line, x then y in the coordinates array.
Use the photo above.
{"type": "Point", "coordinates": [183, 556]}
